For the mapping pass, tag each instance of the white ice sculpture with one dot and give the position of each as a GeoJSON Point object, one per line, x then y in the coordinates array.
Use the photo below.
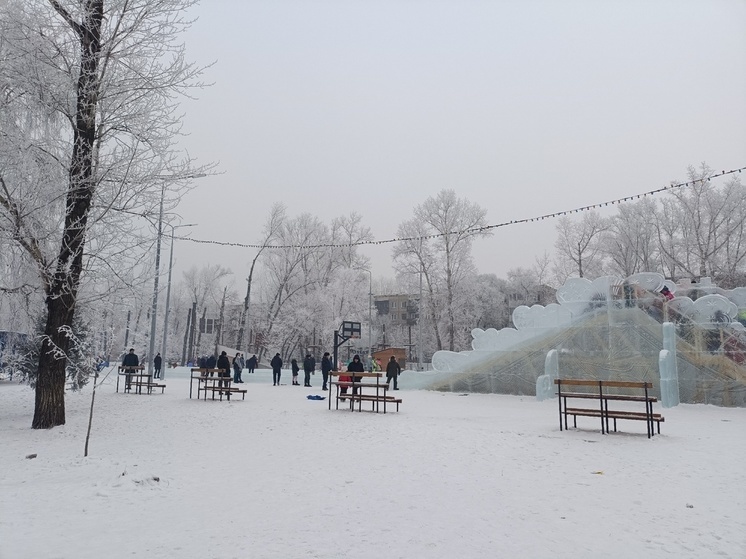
{"type": "Point", "coordinates": [710, 311]}
{"type": "Point", "coordinates": [737, 296]}
{"type": "Point", "coordinates": [537, 316]}
{"type": "Point", "coordinates": [580, 295]}
{"type": "Point", "coordinates": [545, 382]}
{"type": "Point", "coordinates": [668, 368]}
{"type": "Point", "coordinates": [651, 281]}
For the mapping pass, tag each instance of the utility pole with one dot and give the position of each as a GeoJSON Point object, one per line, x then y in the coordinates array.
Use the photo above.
{"type": "Point", "coordinates": [419, 317]}
{"type": "Point", "coordinates": [164, 343]}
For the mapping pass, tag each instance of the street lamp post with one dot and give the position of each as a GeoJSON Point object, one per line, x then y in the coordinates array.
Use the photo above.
{"type": "Point", "coordinates": [370, 318]}
{"type": "Point", "coordinates": [154, 308]}
{"type": "Point", "coordinates": [164, 343]}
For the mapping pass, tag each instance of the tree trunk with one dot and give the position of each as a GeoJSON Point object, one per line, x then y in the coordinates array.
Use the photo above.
{"type": "Point", "coordinates": [246, 303]}
{"type": "Point", "coordinates": [49, 409]}
{"type": "Point", "coordinates": [62, 291]}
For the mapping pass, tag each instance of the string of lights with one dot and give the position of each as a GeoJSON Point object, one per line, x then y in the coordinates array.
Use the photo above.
{"type": "Point", "coordinates": [475, 229]}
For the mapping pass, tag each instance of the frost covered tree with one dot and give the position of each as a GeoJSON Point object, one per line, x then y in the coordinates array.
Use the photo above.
{"type": "Point", "coordinates": [630, 242]}
{"type": "Point", "coordinates": [579, 247]}
{"type": "Point", "coordinates": [445, 258]}
{"type": "Point", "coordinates": [88, 122]}
{"type": "Point", "coordinates": [701, 228]}
{"type": "Point", "coordinates": [310, 280]}
{"type": "Point", "coordinates": [271, 227]}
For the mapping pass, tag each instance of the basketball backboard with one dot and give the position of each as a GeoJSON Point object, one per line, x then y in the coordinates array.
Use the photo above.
{"type": "Point", "coordinates": [350, 329]}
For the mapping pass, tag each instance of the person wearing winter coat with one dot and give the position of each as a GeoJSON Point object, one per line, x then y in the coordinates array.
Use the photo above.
{"type": "Point", "coordinates": [130, 360]}
{"type": "Point", "coordinates": [393, 370]}
{"type": "Point", "coordinates": [295, 368]}
{"type": "Point", "coordinates": [237, 368]}
{"type": "Point", "coordinates": [252, 363]}
{"type": "Point", "coordinates": [309, 366]}
{"type": "Point", "coordinates": [210, 363]}
{"type": "Point", "coordinates": [224, 365]}
{"type": "Point", "coordinates": [276, 364]}
{"type": "Point", "coordinates": [356, 366]}
{"type": "Point", "coordinates": [157, 362]}
{"type": "Point", "coordinates": [326, 367]}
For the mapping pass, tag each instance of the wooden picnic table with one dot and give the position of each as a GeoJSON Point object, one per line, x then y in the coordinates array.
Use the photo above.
{"type": "Point", "coordinates": [358, 384]}
{"type": "Point", "coordinates": [210, 380]}
{"type": "Point", "coordinates": [136, 375]}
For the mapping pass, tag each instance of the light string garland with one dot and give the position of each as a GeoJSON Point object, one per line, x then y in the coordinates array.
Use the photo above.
{"type": "Point", "coordinates": [475, 229]}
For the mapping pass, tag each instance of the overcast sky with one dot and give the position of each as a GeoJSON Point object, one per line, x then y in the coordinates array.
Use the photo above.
{"type": "Point", "coordinates": [526, 107]}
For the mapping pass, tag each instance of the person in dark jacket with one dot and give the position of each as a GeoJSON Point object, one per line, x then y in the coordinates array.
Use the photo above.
{"type": "Point", "coordinates": [309, 366]}
{"type": "Point", "coordinates": [237, 368]}
{"type": "Point", "coordinates": [224, 364]}
{"type": "Point", "coordinates": [130, 360]}
{"type": "Point", "coordinates": [157, 362]}
{"type": "Point", "coordinates": [326, 367]}
{"type": "Point", "coordinates": [355, 366]}
{"type": "Point", "coordinates": [393, 370]}
{"type": "Point", "coordinates": [276, 364]}
{"type": "Point", "coordinates": [295, 368]}
{"type": "Point", "coordinates": [210, 363]}
{"type": "Point", "coordinates": [252, 363]}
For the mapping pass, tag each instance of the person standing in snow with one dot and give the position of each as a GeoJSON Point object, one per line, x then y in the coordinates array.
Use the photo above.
{"type": "Point", "coordinates": [326, 367]}
{"type": "Point", "coordinates": [236, 368]}
{"type": "Point", "coordinates": [276, 364]}
{"type": "Point", "coordinates": [295, 368]}
{"type": "Point", "coordinates": [211, 363]}
{"type": "Point", "coordinates": [393, 370]}
{"type": "Point", "coordinates": [252, 363]}
{"type": "Point", "coordinates": [129, 362]}
{"type": "Point", "coordinates": [157, 362]}
{"type": "Point", "coordinates": [309, 366]}
{"type": "Point", "coordinates": [224, 365]}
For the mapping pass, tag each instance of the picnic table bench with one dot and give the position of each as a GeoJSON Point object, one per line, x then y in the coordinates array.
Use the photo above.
{"type": "Point", "coordinates": [357, 384]}
{"type": "Point", "coordinates": [135, 376]}
{"type": "Point", "coordinates": [209, 380]}
{"type": "Point", "coordinates": [599, 390]}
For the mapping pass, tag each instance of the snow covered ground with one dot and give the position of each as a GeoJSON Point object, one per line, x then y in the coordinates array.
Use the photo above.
{"type": "Point", "coordinates": [281, 476]}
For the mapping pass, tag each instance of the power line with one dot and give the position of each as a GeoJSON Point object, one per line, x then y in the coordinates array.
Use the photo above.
{"type": "Point", "coordinates": [475, 229]}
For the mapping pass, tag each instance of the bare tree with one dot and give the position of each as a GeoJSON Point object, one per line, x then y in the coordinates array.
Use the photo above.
{"type": "Point", "coordinates": [579, 243]}
{"type": "Point", "coordinates": [349, 231]}
{"type": "Point", "coordinates": [415, 255]}
{"type": "Point", "coordinates": [701, 228]}
{"type": "Point", "coordinates": [455, 223]}
{"type": "Point", "coordinates": [89, 103]}
{"type": "Point", "coordinates": [271, 228]}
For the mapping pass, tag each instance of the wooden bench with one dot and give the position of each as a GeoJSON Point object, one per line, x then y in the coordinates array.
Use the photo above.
{"type": "Point", "coordinates": [202, 375]}
{"type": "Point", "coordinates": [149, 385]}
{"type": "Point", "coordinates": [373, 399]}
{"type": "Point", "coordinates": [599, 390]}
{"type": "Point", "coordinates": [224, 391]}
{"type": "Point", "coordinates": [217, 384]}
{"type": "Point", "coordinates": [353, 391]}
{"type": "Point", "coordinates": [130, 373]}
{"type": "Point", "coordinates": [236, 390]}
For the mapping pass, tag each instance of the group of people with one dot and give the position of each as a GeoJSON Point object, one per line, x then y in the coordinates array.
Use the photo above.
{"type": "Point", "coordinates": [210, 362]}
{"type": "Point", "coordinates": [309, 368]}
{"type": "Point", "coordinates": [239, 363]}
{"type": "Point", "coordinates": [393, 370]}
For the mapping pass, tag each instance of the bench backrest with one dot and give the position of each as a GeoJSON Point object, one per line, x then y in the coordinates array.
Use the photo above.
{"type": "Point", "coordinates": [603, 383]}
